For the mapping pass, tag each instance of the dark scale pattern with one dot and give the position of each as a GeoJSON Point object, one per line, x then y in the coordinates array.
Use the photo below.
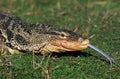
{"type": "Point", "coordinates": [9, 34]}
{"type": "Point", "coordinates": [21, 40]}
{"type": "Point", "coordinates": [5, 27]}
{"type": "Point", "coordinates": [28, 27]}
{"type": "Point", "coordinates": [3, 15]}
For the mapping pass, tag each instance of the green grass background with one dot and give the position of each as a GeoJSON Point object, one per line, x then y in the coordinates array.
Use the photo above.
{"type": "Point", "coordinates": [98, 17]}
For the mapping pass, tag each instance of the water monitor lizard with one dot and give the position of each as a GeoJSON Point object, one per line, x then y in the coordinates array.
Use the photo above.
{"type": "Point", "coordinates": [39, 38]}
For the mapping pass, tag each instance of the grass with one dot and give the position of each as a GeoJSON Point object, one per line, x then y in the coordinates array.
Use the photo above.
{"type": "Point", "coordinates": [99, 17]}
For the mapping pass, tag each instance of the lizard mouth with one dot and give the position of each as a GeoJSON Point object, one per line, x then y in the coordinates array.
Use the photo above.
{"type": "Point", "coordinates": [70, 45]}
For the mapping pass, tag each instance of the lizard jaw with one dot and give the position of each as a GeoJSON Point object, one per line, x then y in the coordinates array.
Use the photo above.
{"type": "Point", "coordinates": [63, 45]}
{"type": "Point", "coordinates": [70, 45]}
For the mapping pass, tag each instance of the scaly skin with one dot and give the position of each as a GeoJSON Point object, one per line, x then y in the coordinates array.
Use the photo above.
{"type": "Point", "coordinates": [38, 38]}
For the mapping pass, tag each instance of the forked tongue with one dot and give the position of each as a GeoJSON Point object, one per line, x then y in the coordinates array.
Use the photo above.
{"type": "Point", "coordinates": [111, 60]}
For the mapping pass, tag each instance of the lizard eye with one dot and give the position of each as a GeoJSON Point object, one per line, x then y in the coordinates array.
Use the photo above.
{"type": "Point", "coordinates": [63, 36]}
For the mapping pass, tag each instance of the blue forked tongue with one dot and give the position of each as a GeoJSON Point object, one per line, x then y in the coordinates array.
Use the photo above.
{"type": "Point", "coordinates": [111, 60]}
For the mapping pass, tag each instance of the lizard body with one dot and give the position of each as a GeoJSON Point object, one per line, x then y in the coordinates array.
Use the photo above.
{"type": "Point", "coordinates": [17, 35]}
{"type": "Point", "coordinates": [39, 38]}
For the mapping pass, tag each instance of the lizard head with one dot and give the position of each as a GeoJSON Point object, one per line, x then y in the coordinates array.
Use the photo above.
{"type": "Point", "coordinates": [62, 40]}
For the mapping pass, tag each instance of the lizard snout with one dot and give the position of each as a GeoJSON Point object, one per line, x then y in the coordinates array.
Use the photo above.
{"type": "Point", "coordinates": [83, 41]}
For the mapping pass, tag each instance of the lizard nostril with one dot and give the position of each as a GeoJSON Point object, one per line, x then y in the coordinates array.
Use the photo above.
{"type": "Point", "coordinates": [80, 39]}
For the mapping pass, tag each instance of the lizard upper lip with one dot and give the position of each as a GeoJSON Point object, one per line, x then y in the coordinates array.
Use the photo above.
{"type": "Point", "coordinates": [75, 45]}
{"type": "Point", "coordinates": [85, 42]}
